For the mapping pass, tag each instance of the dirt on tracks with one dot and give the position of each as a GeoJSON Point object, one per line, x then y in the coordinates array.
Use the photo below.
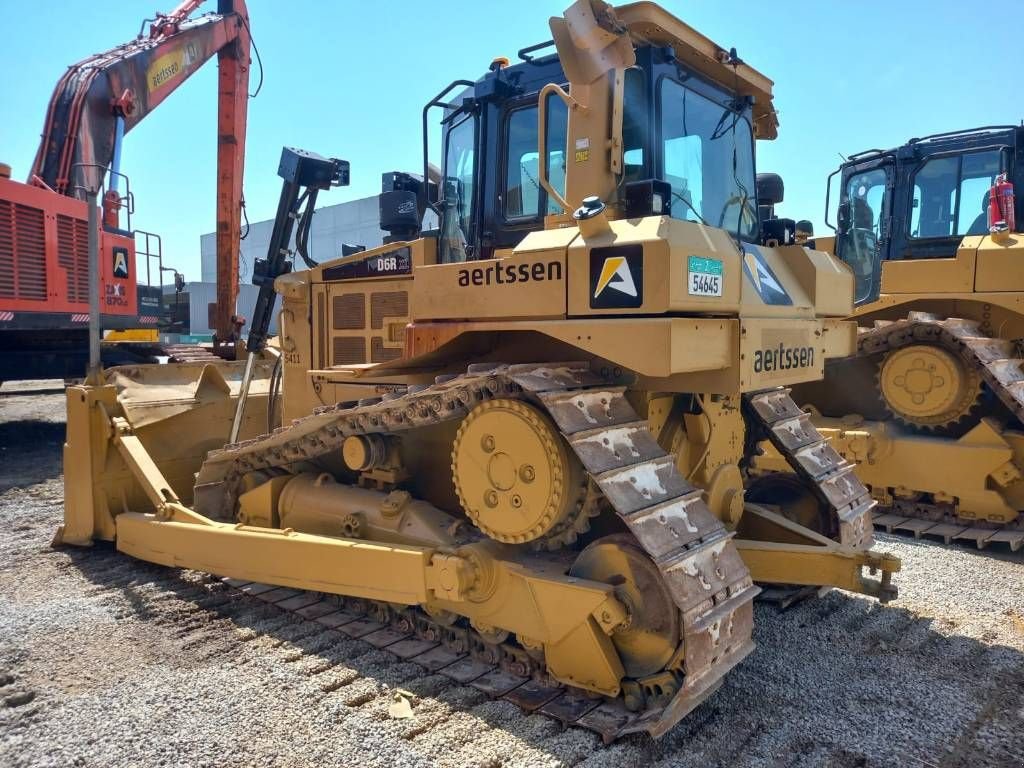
{"type": "Point", "coordinates": [107, 661]}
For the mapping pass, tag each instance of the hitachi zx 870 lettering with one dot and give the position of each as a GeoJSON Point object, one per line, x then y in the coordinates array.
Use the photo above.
{"type": "Point", "coordinates": [514, 449]}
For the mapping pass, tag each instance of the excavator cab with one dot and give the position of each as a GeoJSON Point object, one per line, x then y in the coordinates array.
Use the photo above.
{"type": "Point", "coordinates": [919, 201]}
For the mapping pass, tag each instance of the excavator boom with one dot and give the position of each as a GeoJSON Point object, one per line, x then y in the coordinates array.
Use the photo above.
{"type": "Point", "coordinates": [103, 97]}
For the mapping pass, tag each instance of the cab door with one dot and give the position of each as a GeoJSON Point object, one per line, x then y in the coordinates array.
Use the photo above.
{"type": "Point", "coordinates": [864, 224]}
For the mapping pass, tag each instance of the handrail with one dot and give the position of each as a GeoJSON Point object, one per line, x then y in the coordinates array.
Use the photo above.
{"type": "Point", "coordinates": [524, 53]}
{"type": "Point", "coordinates": [964, 132]}
{"type": "Point", "coordinates": [542, 133]}
{"type": "Point", "coordinates": [436, 102]}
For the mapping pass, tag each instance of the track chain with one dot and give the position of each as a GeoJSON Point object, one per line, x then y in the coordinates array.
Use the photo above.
{"type": "Point", "coordinates": [999, 363]}
{"type": "Point", "coordinates": [996, 360]}
{"type": "Point", "coordinates": [833, 479]}
{"type": "Point", "coordinates": [703, 571]}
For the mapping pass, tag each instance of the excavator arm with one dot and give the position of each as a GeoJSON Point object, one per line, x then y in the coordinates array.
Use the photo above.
{"type": "Point", "coordinates": [101, 98]}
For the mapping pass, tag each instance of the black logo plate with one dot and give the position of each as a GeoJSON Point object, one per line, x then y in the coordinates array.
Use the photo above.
{"type": "Point", "coordinates": [617, 277]}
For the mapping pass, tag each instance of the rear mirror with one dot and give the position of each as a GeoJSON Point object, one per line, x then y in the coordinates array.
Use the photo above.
{"type": "Point", "coordinates": [770, 189]}
{"type": "Point", "coordinates": [843, 217]}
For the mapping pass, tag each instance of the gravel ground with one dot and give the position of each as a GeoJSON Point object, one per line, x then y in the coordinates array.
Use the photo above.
{"type": "Point", "coordinates": [106, 661]}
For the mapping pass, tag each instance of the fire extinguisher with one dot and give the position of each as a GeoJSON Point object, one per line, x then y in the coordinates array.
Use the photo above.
{"type": "Point", "coordinates": [1001, 201]}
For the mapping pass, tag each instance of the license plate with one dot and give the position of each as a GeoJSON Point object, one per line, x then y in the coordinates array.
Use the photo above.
{"type": "Point", "coordinates": [704, 277]}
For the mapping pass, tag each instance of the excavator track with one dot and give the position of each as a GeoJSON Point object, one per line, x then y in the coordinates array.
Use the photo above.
{"type": "Point", "coordinates": [666, 515]}
{"type": "Point", "coordinates": [1001, 369]}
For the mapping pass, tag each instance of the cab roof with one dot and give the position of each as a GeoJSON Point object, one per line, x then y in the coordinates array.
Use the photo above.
{"type": "Point", "coordinates": [649, 23]}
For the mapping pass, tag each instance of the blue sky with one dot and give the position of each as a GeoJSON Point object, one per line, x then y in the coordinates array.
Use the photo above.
{"type": "Point", "coordinates": [349, 79]}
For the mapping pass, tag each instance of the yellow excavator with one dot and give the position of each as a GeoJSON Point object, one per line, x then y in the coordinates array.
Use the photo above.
{"type": "Point", "coordinates": [930, 408]}
{"type": "Point", "coordinates": [515, 449]}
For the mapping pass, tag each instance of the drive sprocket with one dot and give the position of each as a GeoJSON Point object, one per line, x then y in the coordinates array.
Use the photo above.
{"type": "Point", "coordinates": [927, 387]}
{"type": "Point", "coordinates": [513, 474]}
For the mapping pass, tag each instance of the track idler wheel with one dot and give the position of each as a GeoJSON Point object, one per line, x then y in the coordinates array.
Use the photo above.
{"type": "Point", "coordinates": [928, 387]}
{"type": "Point", "coordinates": [513, 473]}
{"type": "Point", "coordinates": [794, 501]}
{"type": "Point", "coordinates": [648, 642]}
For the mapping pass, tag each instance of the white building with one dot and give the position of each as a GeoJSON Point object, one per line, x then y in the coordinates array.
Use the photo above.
{"type": "Point", "coordinates": [201, 298]}
{"type": "Point", "coordinates": [354, 222]}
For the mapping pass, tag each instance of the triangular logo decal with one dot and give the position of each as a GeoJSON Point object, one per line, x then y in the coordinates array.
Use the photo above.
{"type": "Point", "coordinates": [615, 274]}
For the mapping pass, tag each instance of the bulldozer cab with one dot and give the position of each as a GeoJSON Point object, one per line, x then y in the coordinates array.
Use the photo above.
{"type": "Point", "coordinates": [489, 197]}
{"type": "Point", "coordinates": [919, 201]}
{"type": "Point", "coordinates": [677, 126]}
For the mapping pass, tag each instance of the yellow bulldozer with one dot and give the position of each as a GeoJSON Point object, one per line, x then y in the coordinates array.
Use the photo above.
{"type": "Point", "coordinates": [930, 407]}
{"type": "Point", "coordinates": [515, 449]}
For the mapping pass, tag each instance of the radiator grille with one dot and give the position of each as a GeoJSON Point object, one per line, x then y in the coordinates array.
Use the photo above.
{"type": "Point", "coordinates": [321, 331]}
{"type": "Point", "coordinates": [73, 255]}
{"type": "Point", "coordinates": [349, 350]}
{"type": "Point", "coordinates": [381, 354]}
{"type": "Point", "coordinates": [388, 304]}
{"type": "Point", "coordinates": [348, 312]}
{"type": "Point", "coordinates": [22, 252]}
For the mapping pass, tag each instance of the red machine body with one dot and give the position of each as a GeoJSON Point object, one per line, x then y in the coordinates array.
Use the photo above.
{"type": "Point", "coordinates": [1001, 205]}
{"type": "Point", "coordinates": [44, 275]}
{"type": "Point", "coordinates": [44, 263]}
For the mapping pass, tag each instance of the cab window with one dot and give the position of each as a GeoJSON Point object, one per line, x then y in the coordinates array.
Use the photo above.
{"type": "Point", "coordinates": [708, 158]}
{"type": "Point", "coordinates": [635, 125]}
{"type": "Point", "coordinates": [459, 167]}
{"type": "Point", "coordinates": [523, 196]}
{"type": "Point", "coordinates": [861, 215]}
{"type": "Point", "coordinates": [950, 195]}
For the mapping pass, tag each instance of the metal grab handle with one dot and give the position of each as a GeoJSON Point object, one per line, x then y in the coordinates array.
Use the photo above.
{"type": "Point", "coordinates": [542, 133]}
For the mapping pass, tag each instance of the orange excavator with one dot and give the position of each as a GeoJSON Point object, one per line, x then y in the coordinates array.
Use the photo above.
{"type": "Point", "coordinates": [47, 236]}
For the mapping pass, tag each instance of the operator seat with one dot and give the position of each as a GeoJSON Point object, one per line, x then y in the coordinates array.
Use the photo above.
{"type": "Point", "coordinates": [980, 224]}
{"type": "Point", "coordinates": [865, 242]}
